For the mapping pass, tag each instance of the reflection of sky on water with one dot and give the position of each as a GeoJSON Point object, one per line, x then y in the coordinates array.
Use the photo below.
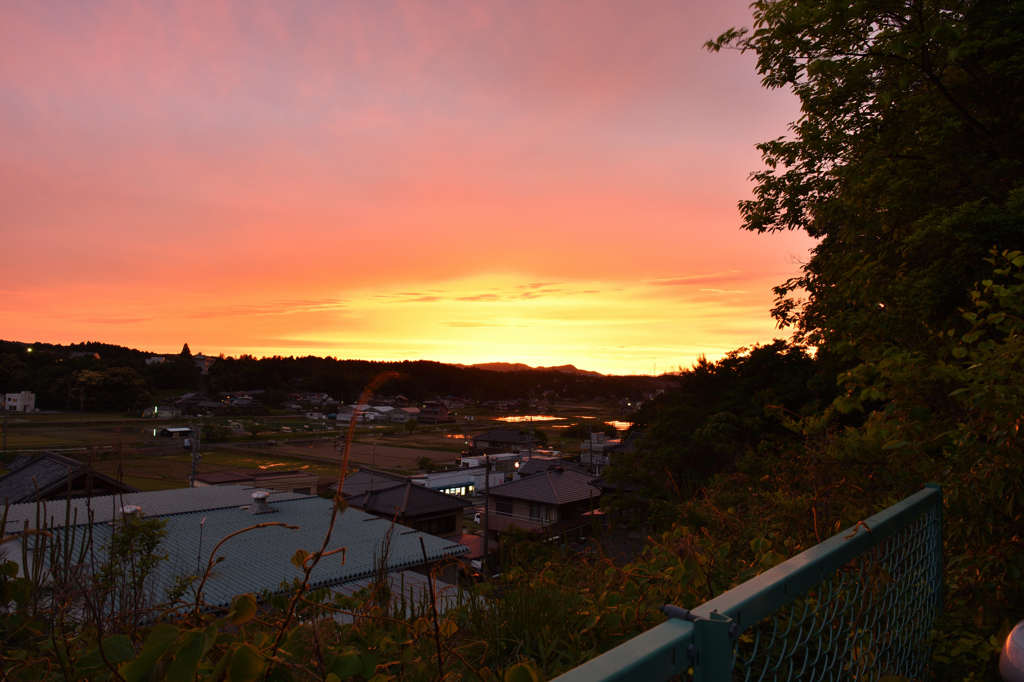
{"type": "Point", "coordinates": [456, 435]}
{"type": "Point", "coordinates": [621, 426]}
{"type": "Point", "coordinates": [530, 417]}
{"type": "Point", "coordinates": [280, 464]}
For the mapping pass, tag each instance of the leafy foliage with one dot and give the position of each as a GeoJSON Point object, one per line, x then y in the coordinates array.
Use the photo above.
{"type": "Point", "coordinates": [906, 162]}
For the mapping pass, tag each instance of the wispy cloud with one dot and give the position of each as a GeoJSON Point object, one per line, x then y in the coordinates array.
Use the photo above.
{"type": "Point", "coordinates": [724, 276]}
{"type": "Point", "coordinates": [480, 298]}
{"type": "Point", "coordinates": [273, 307]}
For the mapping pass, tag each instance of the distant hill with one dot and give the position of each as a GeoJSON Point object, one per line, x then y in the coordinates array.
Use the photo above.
{"type": "Point", "coordinates": [520, 367]}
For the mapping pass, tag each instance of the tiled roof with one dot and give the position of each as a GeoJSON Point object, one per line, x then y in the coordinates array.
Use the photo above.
{"type": "Point", "coordinates": [153, 503]}
{"type": "Point", "coordinates": [408, 499]}
{"type": "Point", "coordinates": [550, 487]}
{"type": "Point", "coordinates": [44, 474]}
{"type": "Point", "coordinates": [260, 559]}
{"type": "Point", "coordinates": [369, 479]}
{"type": "Point", "coordinates": [223, 477]}
{"type": "Point", "coordinates": [412, 586]}
{"type": "Point", "coordinates": [535, 465]}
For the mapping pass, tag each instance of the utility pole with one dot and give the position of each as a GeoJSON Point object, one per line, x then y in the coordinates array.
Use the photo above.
{"type": "Point", "coordinates": [5, 426]}
{"type": "Point", "coordinates": [487, 514]}
{"type": "Point", "coordinates": [196, 457]}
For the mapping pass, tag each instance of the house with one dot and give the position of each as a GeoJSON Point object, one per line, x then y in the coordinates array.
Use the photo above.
{"type": "Point", "coordinates": [294, 481]}
{"type": "Point", "coordinates": [599, 450]}
{"type": "Point", "coordinates": [203, 362]}
{"type": "Point", "coordinates": [155, 360]}
{"type": "Point", "coordinates": [176, 432]}
{"type": "Point", "coordinates": [503, 440]}
{"type": "Point", "coordinates": [213, 406]}
{"type": "Point", "coordinates": [538, 464]}
{"type": "Point", "coordinates": [462, 482]}
{"type": "Point", "coordinates": [433, 412]}
{"type": "Point", "coordinates": [361, 413]}
{"type": "Point", "coordinates": [188, 401]}
{"type": "Point", "coordinates": [254, 562]}
{"type": "Point", "coordinates": [508, 462]}
{"type": "Point", "coordinates": [368, 478]}
{"type": "Point", "coordinates": [157, 412]}
{"type": "Point", "coordinates": [410, 504]}
{"type": "Point", "coordinates": [559, 500]}
{"type": "Point", "coordinates": [50, 476]}
{"type": "Point", "coordinates": [20, 402]}
{"type": "Point", "coordinates": [400, 415]}
{"type": "Point", "coordinates": [78, 355]}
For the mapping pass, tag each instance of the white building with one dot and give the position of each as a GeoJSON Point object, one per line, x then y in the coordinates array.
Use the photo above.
{"type": "Point", "coordinates": [158, 412]}
{"type": "Point", "coordinates": [203, 362]}
{"type": "Point", "coordinates": [20, 402]}
{"type": "Point", "coordinates": [462, 482]}
{"type": "Point", "coordinates": [400, 415]}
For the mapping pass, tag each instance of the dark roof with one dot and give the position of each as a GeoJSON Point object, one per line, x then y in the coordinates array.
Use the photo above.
{"type": "Point", "coordinates": [369, 479]}
{"type": "Point", "coordinates": [550, 487]}
{"type": "Point", "coordinates": [408, 499]}
{"type": "Point", "coordinates": [18, 462]}
{"type": "Point", "coordinates": [105, 507]}
{"type": "Point", "coordinates": [628, 444]}
{"type": "Point", "coordinates": [536, 465]}
{"type": "Point", "coordinates": [228, 477]}
{"type": "Point", "coordinates": [505, 436]}
{"type": "Point", "coordinates": [223, 477]}
{"type": "Point", "coordinates": [611, 488]}
{"type": "Point", "coordinates": [46, 474]}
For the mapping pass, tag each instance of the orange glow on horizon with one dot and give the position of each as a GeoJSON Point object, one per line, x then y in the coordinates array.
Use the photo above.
{"type": "Point", "coordinates": [520, 182]}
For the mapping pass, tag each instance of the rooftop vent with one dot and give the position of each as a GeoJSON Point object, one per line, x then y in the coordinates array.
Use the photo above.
{"type": "Point", "coordinates": [259, 502]}
{"type": "Point", "coordinates": [559, 469]}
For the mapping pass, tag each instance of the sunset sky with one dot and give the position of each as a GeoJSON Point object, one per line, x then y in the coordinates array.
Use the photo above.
{"type": "Point", "coordinates": [538, 182]}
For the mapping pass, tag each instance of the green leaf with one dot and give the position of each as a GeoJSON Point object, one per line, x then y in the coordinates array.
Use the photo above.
{"type": "Point", "coordinates": [299, 559]}
{"type": "Point", "coordinates": [521, 672]}
{"type": "Point", "coordinates": [157, 643]}
{"type": "Point", "coordinates": [242, 609]}
{"type": "Point", "coordinates": [116, 648]}
{"type": "Point", "coordinates": [347, 665]}
{"type": "Point", "coordinates": [895, 445]}
{"type": "Point", "coordinates": [448, 629]}
{"type": "Point", "coordinates": [246, 664]}
{"type": "Point", "coordinates": [190, 653]}
{"type": "Point", "coordinates": [369, 663]}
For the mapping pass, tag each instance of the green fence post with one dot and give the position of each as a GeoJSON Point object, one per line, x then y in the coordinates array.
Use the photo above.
{"type": "Point", "coordinates": [713, 661]}
{"type": "Point", "coordinates": [939, 568]}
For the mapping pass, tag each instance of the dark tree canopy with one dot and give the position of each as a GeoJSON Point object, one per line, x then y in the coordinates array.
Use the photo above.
{"type": "Point", "coordinates": [906, 162]}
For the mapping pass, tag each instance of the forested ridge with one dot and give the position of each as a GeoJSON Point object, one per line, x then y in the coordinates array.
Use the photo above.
{"type": "Point", "coordinates": [905, 366]}
{"type": "Point", "coordinates": [120, 380]}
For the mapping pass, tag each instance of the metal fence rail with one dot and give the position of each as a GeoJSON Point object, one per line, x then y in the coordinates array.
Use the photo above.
{"type": "Point", "coordinates": [858, 606]}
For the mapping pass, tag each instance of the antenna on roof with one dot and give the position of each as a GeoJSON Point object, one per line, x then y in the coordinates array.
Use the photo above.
{"type": "Point", "coordinates": [199, 556]}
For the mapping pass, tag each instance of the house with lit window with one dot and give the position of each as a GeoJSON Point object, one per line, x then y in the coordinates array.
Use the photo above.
{"type": "Point", "coordinates": [409, 502]}
{"type": "Point", "coordinates": [20, 402]}
{"type": "Point", "coordinates": [548, 502]}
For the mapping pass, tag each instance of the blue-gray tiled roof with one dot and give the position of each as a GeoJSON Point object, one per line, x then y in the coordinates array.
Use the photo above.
{"type": "Point", "coordinates": [260, 559]}
{"type": "Point", "coordinates": [45, 473]}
